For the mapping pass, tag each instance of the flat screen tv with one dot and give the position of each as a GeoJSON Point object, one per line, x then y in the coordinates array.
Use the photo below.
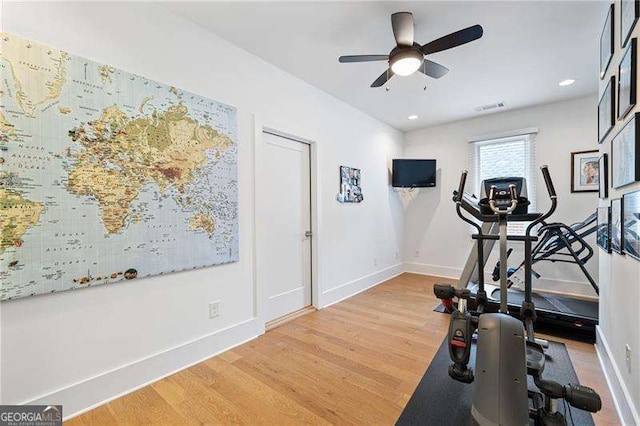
{"type": "Point", "coordinates": [410, 173]}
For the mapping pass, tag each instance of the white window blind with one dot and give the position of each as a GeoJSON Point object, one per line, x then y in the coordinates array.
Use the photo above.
{"type": "Point", "coordinates": [505, 157]}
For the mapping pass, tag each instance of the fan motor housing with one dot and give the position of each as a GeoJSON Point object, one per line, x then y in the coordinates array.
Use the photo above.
{"type": "Point", "coordinates": [403, 49]}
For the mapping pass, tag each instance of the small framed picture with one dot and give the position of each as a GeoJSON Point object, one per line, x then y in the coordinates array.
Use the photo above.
{"type": "Point", "coordinates": [603, 229]}
{"type": "Point", "coordinates": [350, 189]}
{"type": "Point", "coordinates": [606, 43]}
{"type": "Point", "coordinates": [625, 154]}
{"type": "Point", "coordinates": [603, 175]}
{"type": "Point", "coordinates": [606, 110]}
{"type": "Point", "coordinates": [585, 171]}
{"type": "Point", "coordinates": [631, 221]}
{"type": "Point", "coordinates": [617, 234]}
{"type": "Point", "coordinates": [627, 81]}
{"type": "Point", "coordinates": [629, 13]}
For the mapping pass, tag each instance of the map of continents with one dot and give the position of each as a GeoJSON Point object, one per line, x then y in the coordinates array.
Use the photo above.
{"type": "Point", "coordinates": [107, 176]}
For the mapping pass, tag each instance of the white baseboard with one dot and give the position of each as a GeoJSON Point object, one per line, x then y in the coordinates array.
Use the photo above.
{"type": "Point", "coordinates": [102, 388]}
{"type": "Point", "coordinates": [433, 270]}
{"type": "Point", "coordinates": [351, 288]}
{"type": "Point", "coordinates": [627, 412]}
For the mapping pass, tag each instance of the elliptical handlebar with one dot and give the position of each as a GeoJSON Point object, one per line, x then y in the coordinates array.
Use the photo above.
{"type": "Point", "coordinates": [457, 197]}
{"type": "Point", "coordinates": [547, 180]}
{"type": "Point", "coordinates": [552, 194]}
{"type": "Point", "coordinates": [463, 183]}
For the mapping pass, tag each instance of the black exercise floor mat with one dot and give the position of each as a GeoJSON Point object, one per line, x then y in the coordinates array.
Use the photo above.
{"type": "Point", "coordinates": [440, 400]}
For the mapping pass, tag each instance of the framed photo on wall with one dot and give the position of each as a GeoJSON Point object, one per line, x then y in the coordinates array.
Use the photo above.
{"type": "Point", "coordinates": [606, 110]}
{"type": "Point", "coordinates": [625, 152]}
{"type": "Point", "coordinates": [585, 171]}
{"type": "Point", "coordinates": [629, 13]}
{"type": "Point", "coordinates": [606, 43]}
{"type": "Point", "coordinates": [631, 221]}
{"type": "Point", "coordinates": [627, 81]}
{"type": "Point", "coordinates": [350, 189]}
{"type": "Point", "coordinates": [603, 176]}
{"type": "Point", "coordinates": [603, 229]}
{"type": "Point", "coordinates": [617, 221]}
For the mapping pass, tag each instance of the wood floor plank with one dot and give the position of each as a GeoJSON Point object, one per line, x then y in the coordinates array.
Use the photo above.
{"type": "Point", "coordinates": [271, 407]}
{"type": "Point", "coordinates": [356, 362]}
{"type": "Point", "coordinates": [331, 383]}
{"type": "Point", "coordinates": [315, 398]}
{"type": "Point", "coordinates": [203, 403]}
{"type": "Point", "coordinates": [144, 406]}
{"type": "Point", "coordinates": [396, 365]}
{"type": "Point", "coordinates": [101, 415]}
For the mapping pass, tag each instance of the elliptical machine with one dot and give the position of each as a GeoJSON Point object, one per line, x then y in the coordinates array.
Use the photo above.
{"type": "Point", "coordinates": [507, 350]}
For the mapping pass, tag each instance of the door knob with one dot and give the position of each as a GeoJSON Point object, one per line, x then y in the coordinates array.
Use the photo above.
{"type": "Point", "coordinates": [308, 234]}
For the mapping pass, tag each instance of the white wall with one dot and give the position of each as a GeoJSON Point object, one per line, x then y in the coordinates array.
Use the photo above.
{"type": "Point", "coordinates": [79, 348]}
{"type": "Point", "coordinates": [620, 285]}
{"type": "Point", "coordinates": [438, 242]}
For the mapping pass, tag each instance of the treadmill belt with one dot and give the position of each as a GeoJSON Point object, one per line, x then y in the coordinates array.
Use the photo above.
{"type": "Point", "coordinates": [566, 305]}
{"type": "Point", "coordinates": [557, 303]}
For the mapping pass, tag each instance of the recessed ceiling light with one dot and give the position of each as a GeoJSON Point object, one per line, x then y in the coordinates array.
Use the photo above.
{"type": "Point", "coordinates": [412, 117]}
{"type": "Point", "coordinates": [567, 82]}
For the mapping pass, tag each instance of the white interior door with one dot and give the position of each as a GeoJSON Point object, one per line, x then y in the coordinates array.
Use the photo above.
{"type": "Point", "coordinates": [285, 249]}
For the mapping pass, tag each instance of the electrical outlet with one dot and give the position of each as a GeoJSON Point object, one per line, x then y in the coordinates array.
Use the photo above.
{"type": "Point", "coordinates": [416, 254]}
{"type": "Point", "coordinates": [375, 261]}
{"type": "Point", "coordinates": [397, 255]}
{"type": "Point", "coordinates": [627, 353]}
{"type": "Point", "coordinates": [214, 309]}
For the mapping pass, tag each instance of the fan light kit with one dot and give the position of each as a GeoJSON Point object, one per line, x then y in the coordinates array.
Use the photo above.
{"type": "Point", "coordinates": [408, 56]}
{"type": "Point", "coordinates": [407, 62]}
{"type": "Point", "coordinates": [567, 82]}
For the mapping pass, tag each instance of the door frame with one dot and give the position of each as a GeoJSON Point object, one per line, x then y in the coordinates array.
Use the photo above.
{"type": "Point", "coordinates": [260, 293]}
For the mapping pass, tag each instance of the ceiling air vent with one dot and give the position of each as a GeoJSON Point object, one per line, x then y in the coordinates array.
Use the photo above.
{"type": "Point", "coordinates": [489, 106]}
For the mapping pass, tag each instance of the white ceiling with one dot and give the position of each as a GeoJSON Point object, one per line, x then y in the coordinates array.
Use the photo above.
{"type": "Point", "coordinates": [527, 48]}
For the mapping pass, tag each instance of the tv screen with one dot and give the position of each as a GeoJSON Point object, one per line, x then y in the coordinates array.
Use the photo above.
{"type": "Point", "coordinates": [408, 173]}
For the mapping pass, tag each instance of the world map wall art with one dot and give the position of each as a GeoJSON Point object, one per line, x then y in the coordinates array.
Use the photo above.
{"type": "Point", "coordinates": [107, 176]}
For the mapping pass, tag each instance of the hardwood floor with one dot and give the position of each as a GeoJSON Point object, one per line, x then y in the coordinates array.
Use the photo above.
{"type": "Point", "coordinates": [356, 362]}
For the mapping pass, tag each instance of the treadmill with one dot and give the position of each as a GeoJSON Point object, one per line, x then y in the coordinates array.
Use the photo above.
{"type": "Point", "coordinates": [577, 317]}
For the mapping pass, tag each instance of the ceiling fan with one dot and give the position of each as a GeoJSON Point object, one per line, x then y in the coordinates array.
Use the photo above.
{"type": "Point", "coordinates": [408, 56]}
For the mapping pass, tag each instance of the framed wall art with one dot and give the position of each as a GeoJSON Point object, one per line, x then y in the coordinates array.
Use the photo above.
{"type": "Point", "coordinates": [625, 149]}
{"type": "Point", "coordinates": [603, 229]}
{"type": "Point", "coordinates": [606, 43]}
{"type": "Point", "coordinates": [585, 171]}
{"type": "Point", "coordinates": [631, 223]}
{"type": "Point", "coordinates": [617, 234]}
{"type": "Point", "coordinates": [350, 190]}
{"type": "Point", "coordinates": [627, 81]}
{"type": "Point", "coordinates": [606, 110]}
{"type": "Point", "coordinates": [603, 174]}
{"type": "Point", "coordinates": [149, 172]}
{"type": "Point", "coordinates": [629, 13]}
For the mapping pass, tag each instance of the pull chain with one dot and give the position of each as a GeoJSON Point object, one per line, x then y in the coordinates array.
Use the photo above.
{"type": "Point", "coordinates": [424, 73]}
{"type": "Point", "coordinates": [386, 87]}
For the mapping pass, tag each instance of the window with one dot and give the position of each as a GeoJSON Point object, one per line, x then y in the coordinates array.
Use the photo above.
{"type": "Point", "coordinates": [506, 156]}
